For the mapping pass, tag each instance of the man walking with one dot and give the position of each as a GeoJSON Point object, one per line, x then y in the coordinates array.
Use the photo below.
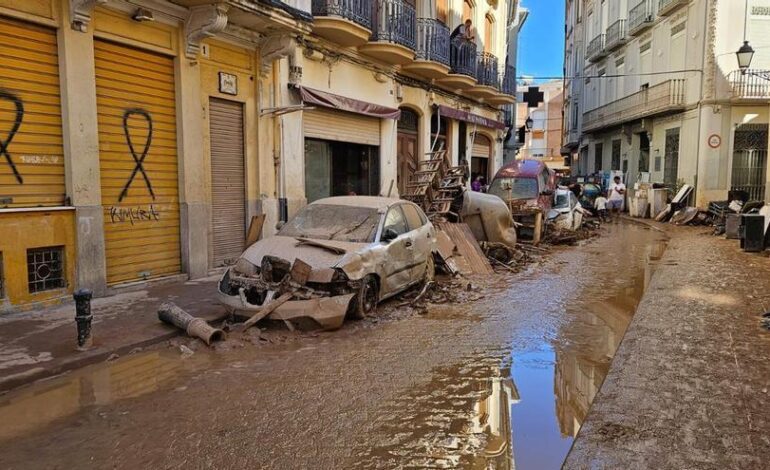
{"type": "Point", "coordinates": [617, 196]}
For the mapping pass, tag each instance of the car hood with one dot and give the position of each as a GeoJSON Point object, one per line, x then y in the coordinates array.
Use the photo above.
{"type": "Point", "coordinates": [290, 248]}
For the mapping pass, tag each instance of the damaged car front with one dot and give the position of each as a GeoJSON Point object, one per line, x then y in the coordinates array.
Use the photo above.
{"type": "Point", "coordinates": [334, 259]}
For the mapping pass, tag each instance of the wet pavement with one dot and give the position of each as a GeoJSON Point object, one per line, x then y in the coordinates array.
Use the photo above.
{"type": "Point", "coordinates": [505, 380]}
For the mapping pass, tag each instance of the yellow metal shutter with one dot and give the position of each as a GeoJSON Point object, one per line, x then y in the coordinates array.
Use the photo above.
{"type": "Point", "coordinates": [137, 124]}
{"type": "Point", "coordinates": [341, 126]}
{"type": "Point", "coordinates": [30, 117]}
{"type": "Point", "coordinates": [228, 186]}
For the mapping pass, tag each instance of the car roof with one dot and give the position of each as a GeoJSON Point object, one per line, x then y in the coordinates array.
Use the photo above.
{"type": "Point", "coordinates": [374, 202]}
{"type": "Point", "coordinates": [523, 168]}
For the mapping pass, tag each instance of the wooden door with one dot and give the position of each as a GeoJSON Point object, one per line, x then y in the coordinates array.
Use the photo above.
{"type": "Point", "coordinates": [406, 157]}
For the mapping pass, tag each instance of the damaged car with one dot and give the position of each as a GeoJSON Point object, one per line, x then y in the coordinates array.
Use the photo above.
{"type": "Point", "coordinates": [337, 258]}
{"type": "Point", "coordinates": [567, 213]}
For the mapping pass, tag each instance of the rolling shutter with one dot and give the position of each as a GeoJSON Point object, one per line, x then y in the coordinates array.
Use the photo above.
{"type": "Point", "coordinates": [228, 187]}
{"type": "Point", "coordinates": [341, 126]}
{"type": "Point", "coordinates": [30, 117]}
{"type": "Point", "coordinates": [135, 97]}
{"type": "Point", "coordinates": [481, 147]}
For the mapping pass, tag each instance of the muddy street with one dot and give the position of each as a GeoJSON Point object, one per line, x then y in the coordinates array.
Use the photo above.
{"type": "Point", "coordinates": [501, 381]}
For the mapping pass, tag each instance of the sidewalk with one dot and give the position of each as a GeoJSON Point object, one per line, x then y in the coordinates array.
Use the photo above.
{"type": "Point", "coordinates": [41, 343]}
{"type": "Point", "coordinates": [689, 386]}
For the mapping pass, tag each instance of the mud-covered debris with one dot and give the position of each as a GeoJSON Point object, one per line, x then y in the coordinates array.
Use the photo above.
{"type": "Point", "coordinates": [186, 352]}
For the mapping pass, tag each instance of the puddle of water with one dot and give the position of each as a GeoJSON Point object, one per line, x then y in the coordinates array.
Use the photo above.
{"type": "Point", "coordinates": [29, 409]}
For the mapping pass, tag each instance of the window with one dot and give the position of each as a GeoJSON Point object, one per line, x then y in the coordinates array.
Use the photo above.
{"type": "Point", "coordinates": [442, 10]}
{"type": "Point", "coordinates": [467, 11]}
{"type": "Point", "coordinates": [395, 221]}
{"type": "Point", "coordinates": [514, 188]}
{"type": "Point", "coordinates": [412, 216]}
{"type": "Point", "coordinates": [489, 26]}
{"type": "Point", "coordinates": [615, 155]}
{"type": "Point", "coordinates": [45, 269]}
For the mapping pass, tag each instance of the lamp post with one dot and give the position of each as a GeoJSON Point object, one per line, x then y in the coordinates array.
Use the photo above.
{"type": "Point", "coordinates": [528, 123]}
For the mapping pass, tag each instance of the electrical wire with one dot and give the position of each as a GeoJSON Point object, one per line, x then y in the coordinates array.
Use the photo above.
{"type": "Point", "coordinates": [573, 77]}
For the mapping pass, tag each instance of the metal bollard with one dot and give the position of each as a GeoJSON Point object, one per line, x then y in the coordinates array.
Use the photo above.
{"type": "Point", "coordinates": [83, 318]}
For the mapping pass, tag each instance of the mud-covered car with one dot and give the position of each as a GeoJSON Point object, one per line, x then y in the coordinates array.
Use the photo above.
{"type": "Point", "coordinates": [337, 257]}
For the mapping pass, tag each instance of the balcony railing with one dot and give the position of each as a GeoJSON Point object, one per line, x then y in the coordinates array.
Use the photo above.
{"type": "Point", "coordinates": [667, 6]}
{"type": "Point", "coordinates": [487, 71]}
{"type": "Point", "coordinates": [357, 11]}
{"type": "Point", "coordinates": [640, 17]}
{"type": "Point", "coordinates": [432, 41]}
{"type": "Point", "coordinates": [463, 57]}
{"type": "Point", "coordinates": [394, 21]}
{"type": "Point", "coordinates": [616, 34]}
{"type": "Point", "coordinates": [595, 49]}
{"type": "Point", "coordinates": [754, 84]}
{"type": "Point", "coordinates": [508, 81]}
{"type": "Point", "coordinates": [663, 98]}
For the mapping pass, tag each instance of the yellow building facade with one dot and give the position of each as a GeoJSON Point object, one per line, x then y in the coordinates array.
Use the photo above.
{"type": "Point", "coordinates": [138, 139]}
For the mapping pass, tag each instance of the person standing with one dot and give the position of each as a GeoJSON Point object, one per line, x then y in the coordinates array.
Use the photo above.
{"type": "Point", "coordinates": [476, 185]}
{"type": "Point", "coordinates": [600, 204]}
{"type": "Point", "coordinates": [617, 196]}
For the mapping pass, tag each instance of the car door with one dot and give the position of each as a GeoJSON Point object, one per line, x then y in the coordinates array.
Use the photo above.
{"type": "Point", "coordinates": [422, 236]}
{"type": "Point", "coordinates": [399, 252]}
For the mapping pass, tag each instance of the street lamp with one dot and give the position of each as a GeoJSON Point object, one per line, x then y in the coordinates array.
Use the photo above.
{"type": "Point", "coordinates": [745, 54]}
{"type": "Point", "coordinates": [528, 123]}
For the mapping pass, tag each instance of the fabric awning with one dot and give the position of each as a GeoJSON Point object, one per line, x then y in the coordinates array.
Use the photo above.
{"type": "Point", "coordinates": [446, 111]}
{"type": "Point", "coordinates": [342, 103]}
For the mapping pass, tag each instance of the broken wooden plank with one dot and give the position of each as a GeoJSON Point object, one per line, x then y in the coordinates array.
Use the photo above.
{"type": "Point", "coordinates": [267, 309]}
{"type": "Point", "coordinates": [255, 229]}
{"type": "Point", "coordinates": [468, 256]}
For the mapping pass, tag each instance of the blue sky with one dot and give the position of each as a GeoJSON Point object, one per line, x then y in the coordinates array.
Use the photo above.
{"type": "Point", "coordinates": [541, 43]}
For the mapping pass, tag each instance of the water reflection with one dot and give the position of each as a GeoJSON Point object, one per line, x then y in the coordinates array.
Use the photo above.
{"type": "Point", "coordinates": [29, 409]}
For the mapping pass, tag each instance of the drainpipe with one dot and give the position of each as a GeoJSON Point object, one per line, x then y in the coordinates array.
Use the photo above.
{"type": "Point", "coordinates": [700, 100]}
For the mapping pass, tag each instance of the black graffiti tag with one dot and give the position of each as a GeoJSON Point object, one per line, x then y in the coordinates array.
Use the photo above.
{"type": "Point", "coordinates": [138, 159]}
{"type": "Point", "coordinates": [5, 143]}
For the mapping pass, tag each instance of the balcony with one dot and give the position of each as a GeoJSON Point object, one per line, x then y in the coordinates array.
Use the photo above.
{"type": "Point", "coordinates": [345, 22]}
{"type": "Point", "coordinates": [666, 7]}
{"type": "Point", "coordinates": [394, 25]}
{"type": "Point", "coordinates": [432, 59]}
{"type": "Point", "coordinates": [462, 60]}
{"type": "Point", "coordinates": [487, 77]}
{"type": "Point", "coordinates": [664, 98]}
{"type": "Point", "coordinates": [595, 49]}
{"type": "Point", "coordinates": [616, 35]}
{"type": "Point", "coordinates": [753, 85]}
{"type": "Point", "coordinates": [507, 93]}
{"type": "Point", "coordinates": [640, 18]}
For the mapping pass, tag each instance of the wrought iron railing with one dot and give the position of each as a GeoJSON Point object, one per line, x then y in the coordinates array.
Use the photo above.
{"type": "Point", "coordinates": [463, 57]}
{"type": "Point", "coordinates": [665, 6]}
{"type": "Point", "coordinates": [752, 84]}
{"type": "Point", "coordinates": [616, 33]}
{"type": "Point", "coordinates": [432, 40]}
{"type": "Point", "coordinates": [394, 21]}
{"type": "Point", "coordinates": [640, 16]}
{"type": "Point", "coordinates": [357, 11]}
{"type": "Point", "coordinates": [508, 81]}
{"type": "Point", "coordinates": [595, 47]}
{"type": "Point", "coordinates": [487, 71]}
{"type": "Point", "coordinates": [658, 99]}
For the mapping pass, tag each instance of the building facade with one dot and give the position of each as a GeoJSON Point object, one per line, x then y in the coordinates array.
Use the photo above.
{"type": "Point", "coordinates": [543, 141]}
{"type": "Point", "coordinates": [653, 87]}
{"type": "Point", "coordinates": [140, 138]}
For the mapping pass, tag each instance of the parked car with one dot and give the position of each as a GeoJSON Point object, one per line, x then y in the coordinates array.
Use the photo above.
{"type": "Point", "coordinates": [525, 183]}
{"type": "Point", "coordinates": [337, 257]}
{"type": "Point", "coordinates": [588, 194]}
{"type": "Point", "coordinates": [567, 213]}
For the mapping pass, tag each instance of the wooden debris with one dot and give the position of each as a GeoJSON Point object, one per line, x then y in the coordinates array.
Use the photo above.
{"type": "Point", "coordinates": [467, 253]}
{"type": "Point", "coordinates": [255, 229]}
{"type": "Point", "coordinates": [267, 309]}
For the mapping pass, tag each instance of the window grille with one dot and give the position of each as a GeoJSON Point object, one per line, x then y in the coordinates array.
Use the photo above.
{"type": "Point", "coordinates": [45, 269]}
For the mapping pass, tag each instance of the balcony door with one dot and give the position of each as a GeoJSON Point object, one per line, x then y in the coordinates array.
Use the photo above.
{"type": "Point", "coordinates": [442, 11]}
{"type": "Point", "coordinates": [406, 149]}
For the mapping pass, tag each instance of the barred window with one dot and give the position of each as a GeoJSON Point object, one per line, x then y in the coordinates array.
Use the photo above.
{"type": "Point", "coordinates": [45, 269]}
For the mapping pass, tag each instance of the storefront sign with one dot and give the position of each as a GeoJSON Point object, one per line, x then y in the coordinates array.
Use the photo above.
{"type": "Point", "coordinates": [228, 83]}
{"type": "Point", "coordinates": [715, 141]}
{"type": "Point", "coordinates": [452, 113]}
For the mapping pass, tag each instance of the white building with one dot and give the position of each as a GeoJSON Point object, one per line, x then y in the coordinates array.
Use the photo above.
{"type": "Point", "coordinates": [654, 86]}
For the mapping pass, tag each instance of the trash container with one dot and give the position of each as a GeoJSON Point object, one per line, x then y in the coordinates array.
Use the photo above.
{"type": "Point", "coordinates": [753, 231]}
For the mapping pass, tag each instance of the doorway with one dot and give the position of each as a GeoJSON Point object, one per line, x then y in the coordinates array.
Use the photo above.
{"type": "Point", "coordinates": [750, 160]}
{"type": "Point", "coordinates": [340, 169]}
{"type": "Point", "coordinates": [644, 153]}
{"type": "Point", "coordinates": [671, 158]}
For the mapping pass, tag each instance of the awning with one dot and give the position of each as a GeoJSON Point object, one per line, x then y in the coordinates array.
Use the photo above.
{"type": "Point", "coordinates": [342, 103]}
{"type": "Point", "coordinates": [446, 111]}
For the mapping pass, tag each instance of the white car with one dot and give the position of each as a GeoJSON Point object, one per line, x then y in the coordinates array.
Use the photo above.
{"type": "Point", "coordinates": [338, 256]}
{"type": "Point", "coordinates": [567, 213]}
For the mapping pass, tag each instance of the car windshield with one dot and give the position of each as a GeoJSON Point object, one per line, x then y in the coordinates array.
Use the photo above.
{"type": "Point", "coordinates": [514, 188]}
{"type": "Point", "coordinates": [332, 222]}
{"type": "Point", "coordinates": [562, 200]}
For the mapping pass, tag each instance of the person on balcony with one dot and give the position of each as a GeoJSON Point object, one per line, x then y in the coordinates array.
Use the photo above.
{"type": "Point", "coordinates": [463, 32]}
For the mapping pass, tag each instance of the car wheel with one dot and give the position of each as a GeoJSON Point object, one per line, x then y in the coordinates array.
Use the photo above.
{"type": "Point", "coordinates": [365, 301]}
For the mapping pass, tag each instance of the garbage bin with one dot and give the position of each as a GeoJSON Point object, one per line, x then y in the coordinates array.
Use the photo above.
{"type": "Point", "coordinates": [753, 232]}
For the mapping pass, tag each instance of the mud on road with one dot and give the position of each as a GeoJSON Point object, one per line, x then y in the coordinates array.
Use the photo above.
{"type": "Point", "coordinates": [506, 378]}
